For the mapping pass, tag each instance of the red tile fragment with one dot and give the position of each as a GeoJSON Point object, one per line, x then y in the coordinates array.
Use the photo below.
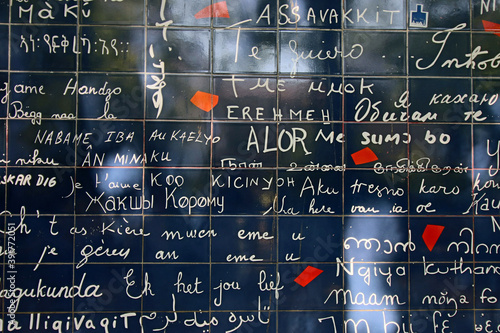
{"type": "Point", "coordinates": [431, 235]}
{"type": "Point", "coordinates": [205, 101]}
{"type": "Point", "coordinates": [218, 9]}
{"type": "Point", "coordinates": [365, 155]}
{"type": "Point", "coordinates": [491, 27]}
{"type": "Point", "coordinates": [309, 274]}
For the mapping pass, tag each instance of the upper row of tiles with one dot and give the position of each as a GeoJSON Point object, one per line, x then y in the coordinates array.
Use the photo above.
{"type": "Point", "coordinates": [355, 14]}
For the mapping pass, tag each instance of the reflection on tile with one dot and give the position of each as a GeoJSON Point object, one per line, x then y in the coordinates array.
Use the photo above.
{"type": "Point", "coordinates": [262, 13]}
{"type": "Point", "coordinates": [244, 51]}
{"type": "Point", "coordinates": [486, 100]}
{"type": "Point", "coordinates": [179, 12]}
{"type": "Point", "coordinates": [311, 52]}
{"type": "Point", "coordinates": [379, 53]}
{"type": "Point", "coordinates": [177, 95]}
{"type": "Point", "coordinates": [178, 51]}
{"type": "Point", "coordinates": [362, 14]}
{"type": "Point", "coordinates": [111, 12]}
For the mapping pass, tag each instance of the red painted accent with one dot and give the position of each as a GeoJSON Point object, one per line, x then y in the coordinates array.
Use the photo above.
{"type": "Point", "coordinates": [491, 27]}
{"type": "Point", "coordinates": [205, 101]}
{"type": "Point", "coordinates": [218, 9]}
{"type": "Point", "coordinates": [363, 156]}
{"type": "Point", "coordinates": [309, 274]}
{"type": "Point", "coordinates": [431, 235]}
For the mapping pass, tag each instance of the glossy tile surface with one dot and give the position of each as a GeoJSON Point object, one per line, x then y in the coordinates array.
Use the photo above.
{"type": "Point", "coordinates": [250, 166]}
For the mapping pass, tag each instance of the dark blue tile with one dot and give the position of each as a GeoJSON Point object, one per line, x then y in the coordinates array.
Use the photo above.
{"type": "Point", "coordinates": [52, 95]}
{"type": "Point", "coordinates": [309, 321]}
{"type": "Point", "coordinates": [43, 48]}
{"type": "Point", "coordinates": [486, 49]}
{"type": "Point", "coordinates": [244, 51]}
{"type": "Point", "coordinates": [117, 143]}
{"type": "Point", "coordinates": [374, 99]}
{"type": "Point", "coordinates": [246, 98]}
{"type": "Point", "coordinates": [49, 144]}
{"type": "Point", "coordinates": [486, 319]}
{"type": "Point", "coordinates": [439, 54]}
{"type": "Point", "coordinates": [102, 236]}
{"type": "Point", "coordinates": [485, 100]}
{"type": "Point", "coordinates": [428, 320]}
{"type": "Point", "coordinates": [483, 11]}
{"type": "Point", "coordinates": [111, 12]}
{"type": "Point", "coordinates": [389, 143]}
{"type": "Point", "coordinates": [310, 99]}
{"type": "Point", "coordinates": [178, 12]}
{"type": "Point", "coordinates": [485, 245]}
{"type": "Point", "coordinates": [104, 96]}
{"type": "Point", "coordinates": [112, 49]}
{"type": "Point", "coordinates": [376, 320]}
{"type": "Point", "coordinates": [190, 288]}
{"type": "Point", "coordinates": [178, 51]}
{"type": "Point", "coordinates": [250, 192]}
{"type": "Point", "coordinates": [454, 281]}
{"type": "Point", "coordinates": [115, 284]}
{"type": "Point", "coordinates": [436, 194]}
{"type": "Point", "coordinates": [486, 147]}
{"type": "Point", "coordinates": [182, 192]}
{"type": "Point", "coordinates": [443, 144]}
{"type": "Point", "coordinates": [310, 14]}
{"type": "Point", "coordinates": [44, 236]}
{"type": "Point", "coordinates": [245, 239]}
{"type": "Point", "coordinates": [310, 239]}
{"type": "Point", "coordinates": [441, 14]}
{"type": "Point", "coordinates": [376, 239]}
{"type": "Point", "coordinates": [440, 99]}
{"type": "Point", "coordinates": [362, 14]}
{"type": "Point", "coordinates": [179, 143]}
{"type": "Point", "coordinates": [4, 12]}
{"type": "Point", "coordinates": [261, 13]}
{"type": "Point", "coordinates": [309, 193]}
{"type": "Point", "coordinates": [173, 101]}
{"type": "Point", "coordinates": [484, 198]}
{"type": "Point", "coordinates": [3, 152]}
{"type": "Point", "coordinates": [244, 285]}
{"type": "Point", "coordinates": [42, 186]}
{"type": "Point", "coordinates": [111, 191]}
{"type": "Point", "coordinates": [314, 295]}
{"type": "Point", "coordinates": [46, 12]}
{"type": "Point", "coordinates": [249, 143]}
{"type": "Point", "coordinates": [178, 238]}
{"type": "Point", "coordinates": [318, 52]}
{"type": "Point", "coordinates": [374, 53]}
{"type": "Point", "coordinates": [4, 54]}
{"type": "Point", "coordinates": [4, 94]}
{"type": "Point", "coordinates": [58, 277]}
{"type": "Point", "coordinates": [454, 242]}
{"type": "Point", "coordinates": [307, 144]}
{"type": "Point", "coordinates": [258, 322]}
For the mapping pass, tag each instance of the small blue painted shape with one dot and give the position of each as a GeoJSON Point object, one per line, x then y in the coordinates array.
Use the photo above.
{"type": "Point", "coordinates": [419, 17]}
